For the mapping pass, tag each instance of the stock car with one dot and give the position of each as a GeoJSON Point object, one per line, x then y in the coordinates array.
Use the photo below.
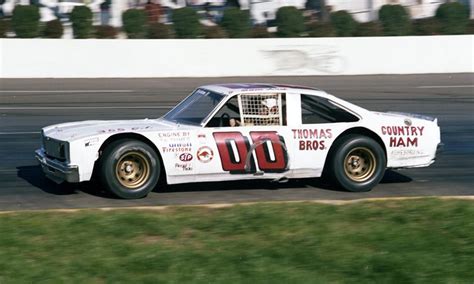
{"type": "Point", "coordinates": [226, 132]}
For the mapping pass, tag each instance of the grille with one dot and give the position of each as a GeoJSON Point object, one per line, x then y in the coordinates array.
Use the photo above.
{"type": "Point", "coordinates": [54, 148]}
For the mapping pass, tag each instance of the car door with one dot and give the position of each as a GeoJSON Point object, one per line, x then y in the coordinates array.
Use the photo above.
{"type": "Point", "coordinates": [318, 121]}
{"type": "Point", "coordinates": [247, 138]}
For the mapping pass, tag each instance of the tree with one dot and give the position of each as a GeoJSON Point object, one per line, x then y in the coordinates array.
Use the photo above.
{"type": "Point", "coordinates": [395, 20]}
{"type": "Point", "coordinates": [186, 23]}
{"type": "Point", "coordinates": [134, 23]}
{"type": "Point", "coordinates": [25, 21]}
{"type": "Point", "coordinates": [290, 22]}
{"type": "Point", "coordinates": [81, 18]}
{"type": "Point", "coordinates": [453, 17]}
{"type": "Point", "coordinates": [236, 22]}
{"type": "Point", "coordinates": [343, 22]}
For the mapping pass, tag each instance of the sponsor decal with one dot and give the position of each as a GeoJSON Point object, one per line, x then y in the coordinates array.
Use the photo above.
{"type": "Point", "coordinates": [312, 139]}
{"type": "Point", "coordinates": [114, 130]}
{"type": "Point", "coordinates": [185, 157]}
{"type": "Point", "coordinates": [403, 136]}
{"type": "Point", "coordinates": [186, 167]}
{"type": "Point", "coordinates": [201, 138]}
{"type": "Point", "coordinates": [177, 148]}
{"type": "Point", "coordinates": [205, 154]}
{"type": "Point", "coordinates": [176, 136]}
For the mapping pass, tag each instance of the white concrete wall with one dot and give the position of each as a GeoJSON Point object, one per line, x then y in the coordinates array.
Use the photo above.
{"type": "Point", "coordinates": [46, 58]}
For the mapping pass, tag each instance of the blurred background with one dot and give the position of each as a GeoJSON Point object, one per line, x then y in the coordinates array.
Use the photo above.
{"type": "Point", "coordinates": [232, 18]}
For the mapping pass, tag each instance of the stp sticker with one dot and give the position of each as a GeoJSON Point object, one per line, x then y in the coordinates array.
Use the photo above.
{"type": "Point", "coordinates": [205, 154]}
{"type": "Point", "coordinates": [185, 157]}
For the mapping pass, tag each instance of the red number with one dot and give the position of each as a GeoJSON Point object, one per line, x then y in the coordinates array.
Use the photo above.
{"type": "Point", "coordinates": [234, 150]}
{"type": "Point", "coordinates": [271, 156]}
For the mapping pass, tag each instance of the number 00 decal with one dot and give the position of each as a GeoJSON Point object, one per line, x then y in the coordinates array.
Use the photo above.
{"type": "Point", "coordinates": [234, 148]}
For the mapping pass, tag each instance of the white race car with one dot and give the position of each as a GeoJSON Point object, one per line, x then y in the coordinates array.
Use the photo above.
{"type": "Point", "coordinates": [241, 131]}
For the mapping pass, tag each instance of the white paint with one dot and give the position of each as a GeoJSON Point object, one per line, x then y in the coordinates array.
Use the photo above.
{"type": "Point", "coordinates": [447, 87]}
{"type": "Point", "coordinates": [60, 58]}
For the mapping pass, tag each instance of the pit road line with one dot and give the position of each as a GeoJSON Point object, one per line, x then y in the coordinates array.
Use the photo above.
{"type": "Point", "coordinates": [446, 86]}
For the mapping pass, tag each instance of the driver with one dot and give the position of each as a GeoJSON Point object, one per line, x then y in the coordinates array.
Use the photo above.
{"type": "Point", "coordinates": [268, 107]}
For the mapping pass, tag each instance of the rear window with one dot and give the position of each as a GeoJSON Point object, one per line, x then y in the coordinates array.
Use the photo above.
{"type": "Point", "coordinates": [321, 110]}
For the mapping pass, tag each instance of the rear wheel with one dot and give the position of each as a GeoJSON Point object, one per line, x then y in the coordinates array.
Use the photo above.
{"type": "Point", "coordinates": [129, 169]}
{"type": "Point", "coordinates": [357, 163]}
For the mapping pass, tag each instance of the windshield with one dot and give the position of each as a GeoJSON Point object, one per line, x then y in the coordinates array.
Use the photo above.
{"type": "Point", "coordinates": [195, 108]}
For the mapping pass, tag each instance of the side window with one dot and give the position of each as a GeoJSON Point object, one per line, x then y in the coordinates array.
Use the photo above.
{"type": "Point", "coordinates": [265, 109]}
{"type": "Point", "coordinates": [228, 114]}
{"type": "Point", "coordinates": [251, 110]}
{"type": "Point", "coordinates": [321, 110]}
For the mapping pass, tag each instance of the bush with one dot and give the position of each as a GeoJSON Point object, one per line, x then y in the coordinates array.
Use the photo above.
{"type": "Point", "coordinates": [53, 29]}
{"type": "Point", "coordinates": [318, 29]}
{"type": "Point", "coordinates": [186, 23]}
{"type": "Point", "coordinates": [236, 22]}
{"type": "Point", "coordinates": [290, 22]}
{"type": "Point", "coordinates": [368, 29]}
{"type": "Point", "coordinates": [343, 23]}
{"type": "Point", "coordinates": [260, 32]}
{"type": "Point", "coordinates": [25, 21]}
{"type": "Point", "coordinates": [158, 30]}
{"type": "Point", "coordinates": [470, 27]}
{"type": "Point", "coordinates": [395, 20]}
{"type": "Point", "coordinates": [105, 32]}
{"type": "Point", "coordinates": [81, 18]}
{"type": "Point", "coordinates": [4, 28]}
{"type": "Point", "coordinates": [214, 32]}
{"type": "Point", "coordinates": [427, 26]}
{"type": "Point", "coordinates": [453, 17]}
{"type": "Point", "coordinates": [134, 23]}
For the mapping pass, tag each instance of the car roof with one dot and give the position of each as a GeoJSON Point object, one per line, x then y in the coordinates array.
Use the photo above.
{"type": "Point", "coordinates": [233, 88]}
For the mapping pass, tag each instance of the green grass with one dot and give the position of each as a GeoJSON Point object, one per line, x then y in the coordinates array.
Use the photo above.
{"type": "Point", "coordinates": [416, 241]}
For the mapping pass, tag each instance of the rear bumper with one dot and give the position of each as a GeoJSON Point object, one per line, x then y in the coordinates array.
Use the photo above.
{"type": "Point", "coordinates": [56, 170]}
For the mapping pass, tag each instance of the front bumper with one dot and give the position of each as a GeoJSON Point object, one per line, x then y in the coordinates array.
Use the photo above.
{"type": "Point", "coordinates": [55, 170]}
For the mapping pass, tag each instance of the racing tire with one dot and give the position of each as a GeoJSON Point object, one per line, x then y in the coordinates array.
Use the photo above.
{"type": "Point", "coordinates": [357, 163]}
{"type": "Point", "coordinates": [129, 169]}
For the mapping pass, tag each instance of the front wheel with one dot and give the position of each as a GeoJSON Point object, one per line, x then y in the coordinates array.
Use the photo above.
{"type": "Point", "coordinates": [129, 169]}
{"type": "Point", "coordinates": [357, 163]}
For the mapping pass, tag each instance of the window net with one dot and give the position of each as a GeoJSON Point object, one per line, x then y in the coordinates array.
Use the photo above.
{"type": "Point", "coordinates": [260, 109]}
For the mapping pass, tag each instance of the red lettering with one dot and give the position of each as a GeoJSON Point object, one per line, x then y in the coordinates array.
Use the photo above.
{"type": "Point", "coordinates": [412, 142]}
{"type": "Point", "coordinates": [329, 133]}
{"type": "Point", "coordinates": [321, 145]}
{"type": "Point", "coordinates": [302, 145]}
{"type": "Point", "coordinates": [421, 128]}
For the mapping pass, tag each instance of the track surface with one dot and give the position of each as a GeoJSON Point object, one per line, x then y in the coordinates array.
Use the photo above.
{"type": "Point", "coordinates": [27, 105]}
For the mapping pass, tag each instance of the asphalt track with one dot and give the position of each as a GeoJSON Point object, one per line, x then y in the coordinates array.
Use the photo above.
{"type": "Point", "coordinates": [26, 105]}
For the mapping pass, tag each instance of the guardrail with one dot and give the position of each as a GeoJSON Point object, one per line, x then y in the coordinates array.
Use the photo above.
{"type": "Point", "coordinates": [94, 58]}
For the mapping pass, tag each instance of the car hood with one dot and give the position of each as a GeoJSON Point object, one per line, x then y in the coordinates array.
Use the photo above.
{"type": "Point", "coordinates": [81, 129]}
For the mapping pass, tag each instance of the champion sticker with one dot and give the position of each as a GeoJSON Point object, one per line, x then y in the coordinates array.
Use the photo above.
{"type": "Point", "coordinates": [205, 154]}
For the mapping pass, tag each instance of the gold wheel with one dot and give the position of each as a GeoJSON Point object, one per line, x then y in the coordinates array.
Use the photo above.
{"type": "Point", "coordinates": [360, 164]}
{"type": "Point", "coordinates": [132, 170]}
